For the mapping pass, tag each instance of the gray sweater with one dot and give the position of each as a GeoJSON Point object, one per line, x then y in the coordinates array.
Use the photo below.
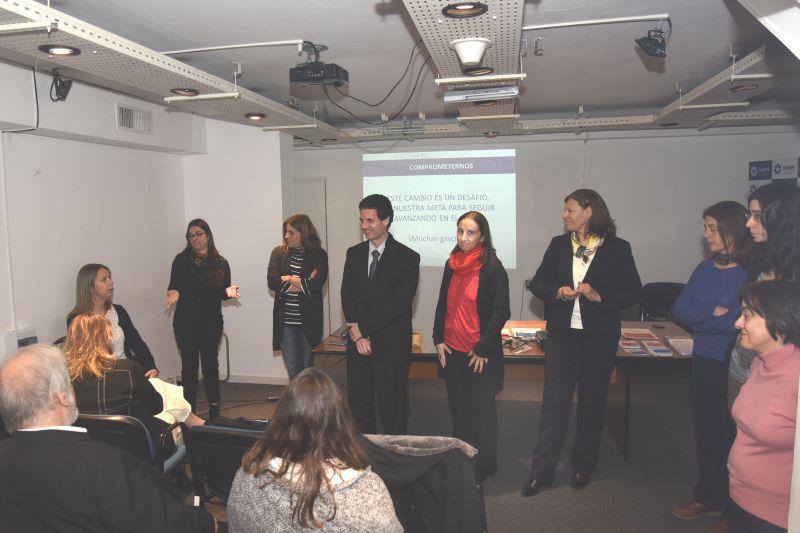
{"type": "Point", "coordinates": [264, 504]}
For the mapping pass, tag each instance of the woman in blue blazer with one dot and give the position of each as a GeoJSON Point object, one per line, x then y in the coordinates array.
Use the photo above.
{"type": "Point", "coordinates": [586, 276]}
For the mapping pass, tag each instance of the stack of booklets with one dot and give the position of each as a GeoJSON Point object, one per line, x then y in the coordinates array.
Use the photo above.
{"type": "Point", "coordinates": [646, 348]}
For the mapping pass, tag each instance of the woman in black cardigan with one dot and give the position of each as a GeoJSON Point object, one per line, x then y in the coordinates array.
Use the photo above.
{"type": "Point", "coordinates": [472, 309]}
{"type": "Point", "coordinates": [199, 280]}
{"type": "Point", "coordinates": [94, 291]}
{"type": "Point", "coordinates": [587, 275]}
{"type": "Point", "coordinates": [297, 272]}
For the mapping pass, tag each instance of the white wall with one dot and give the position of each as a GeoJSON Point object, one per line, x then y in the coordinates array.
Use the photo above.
{"type": "Point", "coordinates": [236, 188]}
{"type": "Point", "coordinates": [89, 114]}
{"type": "Point", "coordinates": [656, 185]}
{"type": "Point", "coordinates": [71, 203]}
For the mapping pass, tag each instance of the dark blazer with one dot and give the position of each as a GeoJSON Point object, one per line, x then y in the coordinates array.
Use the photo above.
{"type": "Point", "coordinates": [493, 311]}
{"type": "Point", "coordinates": [62, 481]}
{"type": "Point", "coordinates": [135, 347]}
{"type": "Point", "coordinates": [612, 274]}
{"type": "Point", "coordinates": [382, 308]}
{"type": "Point", "coordinates": [311, 305]}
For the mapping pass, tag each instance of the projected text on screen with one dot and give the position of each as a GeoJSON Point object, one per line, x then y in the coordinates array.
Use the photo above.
{"type": "Point", "coordinates": [430, 190]}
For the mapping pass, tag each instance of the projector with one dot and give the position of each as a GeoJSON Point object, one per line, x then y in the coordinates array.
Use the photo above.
{"type": "Point", "coordinates": [318, 73]}
{"type": "Point", "coordinates": [479, 95]}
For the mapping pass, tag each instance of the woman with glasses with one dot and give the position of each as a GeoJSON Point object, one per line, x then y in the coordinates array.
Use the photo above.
{"type": "Point", "coordinates": [297, 271]}
{"type": "Point", "coordinates": [709, 305]}
{"type": "Point", "coordinates": [586, 276]}
{"type": "Point", "coordinates": [200, 279]}
{"type": "Point", "coordinates": [762, 200]}
{"type": "Point", "coordinates": [760, 462]}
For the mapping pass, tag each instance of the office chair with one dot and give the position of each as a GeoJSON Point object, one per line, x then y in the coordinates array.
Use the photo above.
{"type": "Point", "coordinates": [658, 299]}
{"type": "Point", "coordinates": [130, 434]}
{"type": "Point", "coordinates": [215, 454]}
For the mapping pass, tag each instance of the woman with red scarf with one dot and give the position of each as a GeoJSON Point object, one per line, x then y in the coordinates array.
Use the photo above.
{"type": "Point", "coordinates": [472, 309]}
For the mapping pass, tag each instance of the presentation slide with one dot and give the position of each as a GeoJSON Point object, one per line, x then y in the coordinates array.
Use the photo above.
{"type": "Point", "coordinates": [430, 190]}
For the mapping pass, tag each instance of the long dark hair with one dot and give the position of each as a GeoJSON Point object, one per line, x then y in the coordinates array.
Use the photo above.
{"type": "Point", "coordinates": [309, 238]}
{"type": "Point", "coordinates": [781, 221]}
{"type": "Point", "coordinates": [600, 223]}
{"type": "Point", "coordinates": [488, 255]}
{"type": "Point", "coordinates": [312, 428]}
{"type": "Point", "coordinates": [778, 303]}
{"type": "Point", "coordinates": [765, 195]}
{"type": "Point", "coordinates": [731, 218]}
{"type": "Point", "coordinates": [213, 260]}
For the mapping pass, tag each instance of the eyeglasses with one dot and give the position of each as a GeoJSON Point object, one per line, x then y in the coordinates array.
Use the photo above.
{"type": "Point", "coordinates": [755, 215]}
{"type": "Point", "coordinates": [196, 235]}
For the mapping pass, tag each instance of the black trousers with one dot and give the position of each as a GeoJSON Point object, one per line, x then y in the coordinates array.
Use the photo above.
{"type": "Point", "coordinates": [199, 340]}
{"type": "Point", "coordinates": [370, 380]}
{"type": "Point", "coordinates": [573, 358]}
{"type": "Point", "coordinates": [712, 430]}
{"type": "Point", "coordinates": [473, 409]}
{"type": "Point", "coordinates": [740, 521]}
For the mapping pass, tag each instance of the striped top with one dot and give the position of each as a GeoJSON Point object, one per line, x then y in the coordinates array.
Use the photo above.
{"type": "Point", "coordinates": [291, 309]}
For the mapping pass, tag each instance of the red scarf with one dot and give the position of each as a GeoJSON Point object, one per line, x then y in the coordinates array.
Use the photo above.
{"type": "Point", "coordinates": [464, 264]}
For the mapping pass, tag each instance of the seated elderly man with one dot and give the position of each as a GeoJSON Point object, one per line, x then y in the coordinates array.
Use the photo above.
{"type": "Point", "coordinates": [55, 478]}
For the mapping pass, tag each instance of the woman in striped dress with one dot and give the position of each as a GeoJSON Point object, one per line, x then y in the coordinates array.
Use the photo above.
{"type": "Point", "coordinates": [297, 271]}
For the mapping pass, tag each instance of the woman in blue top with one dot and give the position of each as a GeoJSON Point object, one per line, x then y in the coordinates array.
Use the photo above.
{"type": "Point", "coordinates": [709, 305]}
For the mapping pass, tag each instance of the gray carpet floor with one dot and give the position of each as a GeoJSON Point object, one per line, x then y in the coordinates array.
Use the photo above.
{"type": "Point", "coordinates": [635, 495]}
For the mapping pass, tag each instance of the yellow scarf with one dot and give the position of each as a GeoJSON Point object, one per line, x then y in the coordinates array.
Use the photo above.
{"type": "Point", "coordinates": [585, 252]}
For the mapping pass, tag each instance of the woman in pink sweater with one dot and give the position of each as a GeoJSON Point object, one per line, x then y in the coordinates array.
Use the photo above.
{"type": "Point", "coordinates": [760, 462]}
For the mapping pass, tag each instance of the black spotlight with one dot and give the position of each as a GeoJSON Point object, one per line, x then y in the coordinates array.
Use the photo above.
{"type": "Point", "coordinates": [60, 87]}
{"type": "Point", "coordinates": [655, 44]}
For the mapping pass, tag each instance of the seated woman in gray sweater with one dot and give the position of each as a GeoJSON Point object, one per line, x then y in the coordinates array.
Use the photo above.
{"type": "Point", "coordinates": [308, 471]}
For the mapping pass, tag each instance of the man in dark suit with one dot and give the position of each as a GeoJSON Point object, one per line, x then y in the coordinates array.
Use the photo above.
{"type": "Point", "coordinates": [378, 286]}
{"type": "Point", "coordinates": [55, 478]}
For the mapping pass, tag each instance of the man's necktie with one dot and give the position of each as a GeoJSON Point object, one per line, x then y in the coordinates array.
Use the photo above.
{"type": "Point", "coordinates": [372, 266]}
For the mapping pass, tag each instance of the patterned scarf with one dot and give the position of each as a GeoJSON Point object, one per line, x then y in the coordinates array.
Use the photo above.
{"type": "Point", "coordinates": [585, 252]}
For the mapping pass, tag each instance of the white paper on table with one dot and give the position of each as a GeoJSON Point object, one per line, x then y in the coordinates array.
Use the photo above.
{"type": "Point", "coordinates": [682, 345]}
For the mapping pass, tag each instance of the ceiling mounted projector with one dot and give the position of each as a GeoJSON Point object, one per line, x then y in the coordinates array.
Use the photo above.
{"type": "Point", "coordinates": [479, 95]}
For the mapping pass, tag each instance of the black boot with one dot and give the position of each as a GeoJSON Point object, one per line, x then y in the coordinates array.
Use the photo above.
{"type": "Point", "coordinates": [213, 411]}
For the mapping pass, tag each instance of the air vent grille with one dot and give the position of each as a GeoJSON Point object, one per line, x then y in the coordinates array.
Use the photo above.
{"type": "Point", "coordinates": [132, 119]}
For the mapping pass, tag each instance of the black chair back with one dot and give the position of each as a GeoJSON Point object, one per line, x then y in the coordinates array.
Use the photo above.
{"type": "Point", "coordinates": [658, 299]}
{"type": "Point", "coordinates": [215, 454]}
{"type": "Point", "coordinates": [124, 432]}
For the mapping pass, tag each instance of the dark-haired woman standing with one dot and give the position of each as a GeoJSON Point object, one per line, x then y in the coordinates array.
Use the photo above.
{"type": "Point", "coordinates": [587, 275]}
{"type": "Point", "coordinates": [199, 281]}
{"type": "Point", "coordinates": [297, 271]}
{"type": "Point", "coordinates": [709, 305]}
{"type": "Point", "coordinates": [760, 462]}
{"type": "Point", "coordinates": [473, 306]}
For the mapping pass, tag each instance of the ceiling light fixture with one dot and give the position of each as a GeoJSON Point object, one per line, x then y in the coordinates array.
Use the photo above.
{"type": "Point", "coordinates": [184, 91]}
{"type": "Point", "coordinates": [255, 117]}
{"type": "Point", "coordinates": [59, 50]}
{"type": "Point", "coordinates": [742, 88]}
{"type": "Point", "coordinates": [478, 70]}
{"type": "Point", "coordinates": [203, 97]}
{"type": "Point", "coordinates": [668, 124]}
{"type": "Point", "coordinates": [464, 10]}
{"type": "Point", "coordinates": [329, 140]}
{"type": "Point", "coordinates": [655, 42]}
{"type": "Point", "coordinates": [470, 50]}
